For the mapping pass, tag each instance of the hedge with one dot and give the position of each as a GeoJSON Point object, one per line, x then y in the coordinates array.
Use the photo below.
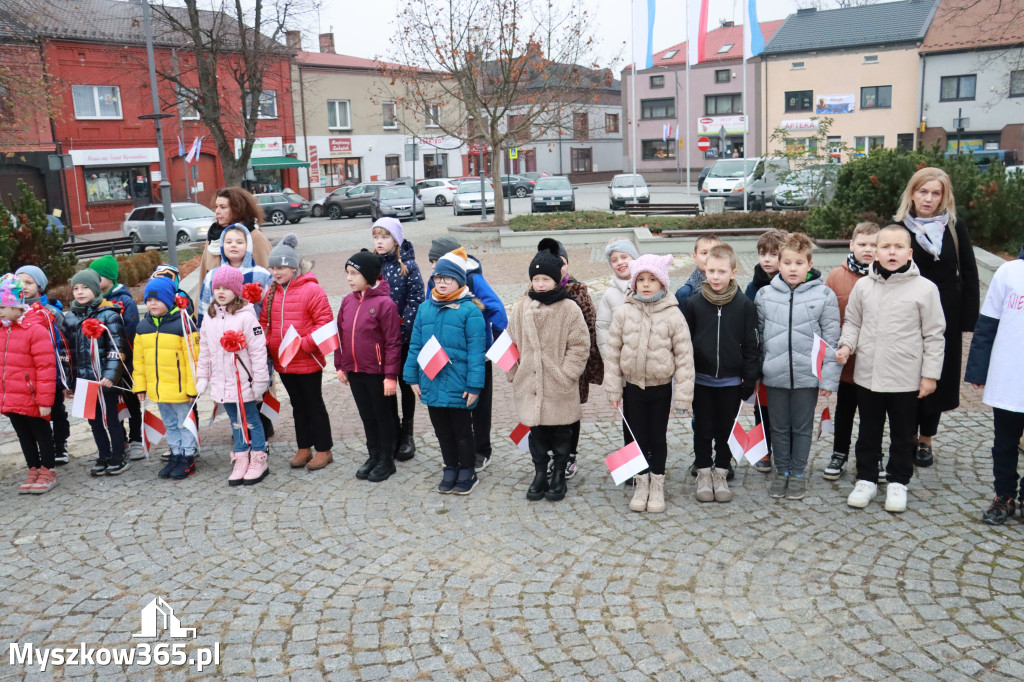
{"type": "Point", "coordinates": [791, 221]}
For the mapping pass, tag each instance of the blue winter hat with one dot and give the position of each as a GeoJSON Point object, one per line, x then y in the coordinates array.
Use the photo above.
{"type": "Point", "coordinates": [35, 273]}
{"type": "Point", "coordinates": [162, 289]}
{"type": "Point", "coordinates": [453, 265]}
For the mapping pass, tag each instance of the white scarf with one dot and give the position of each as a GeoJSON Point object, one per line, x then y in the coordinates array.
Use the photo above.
{"type": "Point", "coordinates": [928, 231]}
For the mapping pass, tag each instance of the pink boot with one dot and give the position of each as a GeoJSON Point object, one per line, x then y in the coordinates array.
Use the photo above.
{"type": "Point", "coordinates": [257, 467]}
{"type": "Point", "coordinates": [241, 460]}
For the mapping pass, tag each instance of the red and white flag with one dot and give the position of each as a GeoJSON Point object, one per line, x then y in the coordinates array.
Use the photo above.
{"type": "Point", "coordinates": [87, 393]}
{"type": "Point", "coordinates": [825, 425]}
{"type": "Point", "coordinates": [122, 409]}
{"type": "Point", "coordinates": [190, 424]}
{"type": "Point", "coordinates": [326, 338]}
{"type": "Point", "coordinates": [271, 408]}
{"type": "Point", "coordinates": [153, 430]}
{"type": "Point", "coordinates": [751, 445]}
{"type": "Point", "coordinates": [503, 352]}
{"type": "Point", "coordinates": [432, 358]}
{"type": "Point", "coordinates": [290, 345]}
{"type": "Point", "coordinates": [625, 463]}
{"type": "Point", "coordinates": [216, 413]}
{"type": "Point", "coordinates": [818, 355]}
{"type": "Point", "coordinates": [521, 437]}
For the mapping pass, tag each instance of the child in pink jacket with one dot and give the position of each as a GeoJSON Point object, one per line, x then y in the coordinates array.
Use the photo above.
{"type": "Point", "coordinates": [233, 356]}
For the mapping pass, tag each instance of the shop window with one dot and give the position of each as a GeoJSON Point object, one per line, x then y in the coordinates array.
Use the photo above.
{"type": "Point", "coordinates": [267, 106]}
{"type": "Point", "coordinates": [799, 100]}
{"type": "Point", "coordinates": [392, 166]}
{"type": "Point", "coordinates": [581, 160]}
{"type": "Point", "coordinates": [117, 184]}
{"type": "Point", "coordinates": [653, 150]}
{"type": "Point", "coordinates": [722, 105]}
{"type": "Point", "coordinates": [658, 108]}
{"type": "Point", "coordinates": [611, 123]}
{"type": "Point", "coordinates": [435, 165]}
{"type": "Point", "coordinates": [341, 171]}
{"type": "Point", "coordinates": [96, 101]}
{"type": "Point", "coordinates": [388, 115]}
{"type": "Point", "coordinates": [957, 88]}
{"type": "Point", "coordinates": [338, 115]}
{"type": "Point", "coordinates": [864, 144]}
{"type": "Point", "coordinates": [876, 97]}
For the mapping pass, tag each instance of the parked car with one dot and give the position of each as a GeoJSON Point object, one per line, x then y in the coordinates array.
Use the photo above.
{"type": "Point", "coordinates": [553, 194]}
{"type": "Point", "coordinates": [437, 191]}
{"type": "Point", "coordinates": [467, 198]}
{"type": "Point", "coordinates": [396, 201]}
{"type": "Point", "coordinates": [703, 176]}
{"type": "Point", "coordinates": [805, 188]}
{"type": "Point", "coordinates": [351, 201]}
{"type": "Point", "coordinates": [1014, 170]}
{"type": "Point", "coordinates": [403, 181]}
{"type": "Point", "coordinates": [732, 178]}
{"type": "Point", "coordinates": [534, 175]}
{"type": "Point", "coordinates": [627, 188]}
{"type": "Point", "coordinates": [145, 225]}
{"type": "Point", "coordinates": [517, 185]}
{"type": "Point", "coordinates": [280, 207]}
{"type": "Point", "coordinates": [316, 206]}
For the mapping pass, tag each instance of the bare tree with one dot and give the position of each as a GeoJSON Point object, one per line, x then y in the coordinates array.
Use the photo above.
{"type": "Point", "coordinates": [513, 69]}
{"type": "Point", "coordinates": [27, 96]}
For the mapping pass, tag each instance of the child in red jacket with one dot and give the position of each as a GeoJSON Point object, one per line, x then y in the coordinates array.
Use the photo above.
{"type": "Point", "coordinates": [29, 369]}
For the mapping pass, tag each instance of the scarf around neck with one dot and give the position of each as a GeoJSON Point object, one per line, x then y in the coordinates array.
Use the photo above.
{"type": "Point", "coordinates": [653, 298]}
{"type": "Point", "coordinates": [81, 308]}
{"type": "Point", "coordinates": [445, 299]}
{"type": "Point", "coordinates": [928, 231]}
{"type": "Point", "coordinates": [886, 274]}
{"type": "Point", "coordinates": [549, 297]}
{"type": "Point", "coordinates": [715, 298]}
{"type": "Point", "coordinates": [696, 279]}
{"type": "Point", "coordinates": [856, 267]}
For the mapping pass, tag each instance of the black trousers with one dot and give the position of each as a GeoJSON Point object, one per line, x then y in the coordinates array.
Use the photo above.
{"type": "Point", "coordinates": [59, 421]}
{"type": "Point", "coordinates": [312, 423]}
{"type": "Point", "coordinates": [131, 401]}
{"type": "Point", "coordinates": [1009, 427]}
{"type": "Point", "coordinates": [714, 412]}
{"type": "Point", "coordinates": [109, 435]}
{"type": "Point", "coordinates": [35, 438]}
{"type": "Point", "coordinates": [647, 412]}
{"type": "Point", "coordinates": [901, 409]}
{"type": "Point", "coordinates": [928, 423]}
{"type": "Point", "coordinates": [482, 415]}
{"type": "Point", "coordinates": [574, 443]}
{"type": "Point", "coordinates": [374, 410]}
{"type": "Point", "coordinates": [846, 409]}
{"type": "Point", "coordinates": [453, 427]}
{"type": "Point", "coordinates": [554, 439]}
{"type": "Point", "coordinates": [408, 399]}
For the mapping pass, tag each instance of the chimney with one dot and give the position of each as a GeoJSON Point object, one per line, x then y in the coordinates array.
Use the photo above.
{"type": "Point", "coordinates": [807, 10]}
{"type": "Point", "coordinates": [293, 39]}
{"type": "Point", "coordinates": [728, 24]}
{"type": "Point", "coordinates": [327, 42]}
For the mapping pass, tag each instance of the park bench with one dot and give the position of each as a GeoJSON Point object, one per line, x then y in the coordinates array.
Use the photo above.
{"type": "Point", "coordinates": [729, 232]}
{"type": "Point", "coordinates": [99, 247]}
{"type": "Point", "coordinates": [662, 209]}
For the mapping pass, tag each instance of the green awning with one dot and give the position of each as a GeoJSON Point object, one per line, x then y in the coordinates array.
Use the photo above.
{"type": "Point", "coordinates": [264, 162]}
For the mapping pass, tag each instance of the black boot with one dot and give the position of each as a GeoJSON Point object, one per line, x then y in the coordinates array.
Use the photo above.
{"type": "Point", "coordinates": [540, 483]}
{"type": "Point", "coordinates": [557, 487]}
{"type": "Point", "coordinates": [406, 447]}
{"type": "Point", "coordinates": [363, 472]}
{"type": "Point", "coordinates": [384, 467]}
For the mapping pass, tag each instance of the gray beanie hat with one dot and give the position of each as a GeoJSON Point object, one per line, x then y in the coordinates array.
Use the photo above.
{"type": "Point", "coordinates": [622, 246]}
{"type": "Point", "coordinates": [284, 254]}
{"type": "Point", "coordinates": [441, 246]}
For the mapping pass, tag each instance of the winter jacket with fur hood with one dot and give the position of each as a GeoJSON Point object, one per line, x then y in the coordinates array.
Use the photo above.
{"type": "Point", "coordinates": [593, 373]}
{"type": "Point", "coordinates": [302, 304]}
{"type": "Point", "coordinates": [251, 272]}
{"type": "Point", "coordinates": [897, 328]}
{"type": "Point", "coordinates": [612, 299]}
{"type": "Point", "coordinates": [28, 368]}
{"type": "Point", "coordinates": [788, 319]}
{"type": "Point", "coordinates": [554, 343]}
{"type": "Point", "coordinates": [370, 331]}
{"type": "Point", "coordinates": [216, 366]}
{"type": "Point", "coordinates": [649, 345]}
{"type": "Point", "coordinates": [213, 256]}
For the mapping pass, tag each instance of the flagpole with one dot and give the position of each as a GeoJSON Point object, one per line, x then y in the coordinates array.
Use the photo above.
{"type": "Point", "coordinates": [686, 121]}
{"type": "Point", "coordinates": [746, 114]}
{"type": "Point", "coordinates": [636, 114]}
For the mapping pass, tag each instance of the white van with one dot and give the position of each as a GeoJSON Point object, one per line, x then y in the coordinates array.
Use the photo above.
{"type": "Point", "coordinates": [731, 178]}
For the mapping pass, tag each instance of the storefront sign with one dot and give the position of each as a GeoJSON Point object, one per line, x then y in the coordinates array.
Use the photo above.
{"type": "Point", "coordinates": [261, 146]}
{"type": "Point", "coordinates": [340, 145]}
{"type": "Point", "coordinates": [314, 166]}
{"type": "Point", "coordinates": [711, 125]}
{"type": "Point", "coordinates": [800, 124]}
{"type": "Point", "coordinates": [440, 143]}
{"type": "Point", "coordinates": [114, 157]}
{"type": "Point", "coordinates": [835, 104]}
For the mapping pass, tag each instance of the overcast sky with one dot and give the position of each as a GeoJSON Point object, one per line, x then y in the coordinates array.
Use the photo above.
{"type": "Point", "coordinates": [362, 29]}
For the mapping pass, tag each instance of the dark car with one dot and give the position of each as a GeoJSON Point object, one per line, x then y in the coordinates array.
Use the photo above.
{"type": "Point", "coordinates": [396, 201]}
{"type": "Point", "coordinates": [517, 185]}
{"type": "Point", "coordinates": [352, 201]}
{"type": "Point", "coordinates": [281, 206]}
{"type": "Point", "coordinates": [533, 175]}
{"type": "Point", "coordinates": [703, 174]}
{"type": "Point", "coordinates": [553, 194]}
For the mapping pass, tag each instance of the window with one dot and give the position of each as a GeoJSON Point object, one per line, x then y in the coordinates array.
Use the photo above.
{"type": "Point", "coordinates": [96, 101]}
{"type": "Point", "coordinates": [392, 166]}
{"type": "Point", "coordinates": [339, 171]}
{"type": "Point", "coordinates": [338, 115]}
{"type": "Point", "coordinates": [720, 105]}
{"type": "Point", "coordinates": [905, 141]}
{"type": "Point", "coordinates": [611, 123]}
{"type": "Point", "coordinates": [670, 54]}
{"type": "Point", "coordinates": [871, 59]}
{"type": "Point", "coordinates": [955, 88]}
{"type": "Point", "coordinates": [433, 115]}
{"type": "Point", "coordinates": [805, 146]}
{"type": "Point", "coordinates": [581, 160]}
{"type": "Point", "coordinates": [725, 48]}
{"type": "Point", "coordinates": [517, 127]}
{"type": "Point", "coordinates": [876, 97]}
{"type": "Point", "coordinates": [835, 149]}
{"type": "Point", "coordinates": [1016, 84]}
{"type": "Point", "coordinates": [6, 110]}
{"type": "Point", "coordinates": [723, 76]}
{"type": "Point", "coordinates": [796, 66]}
{"type": "Point", "coordinates": [388, 116]}
{"type": "Point", "coordinates": [581, 126]}
{"type": "Point", "coordinates": [800, 100]}
{"type": "Point", "coordinates": [657, 81]}
{"type": "Point", "coordinates": [268, 104]}
{"type": "Point", "coordinates": [116, 184]}
{"type": "Point", "coordinates": [652, 150]}
{"type": "Point", "coordinates": [863, 145]}
{"type": "Point", "coordinates": [658, 108]}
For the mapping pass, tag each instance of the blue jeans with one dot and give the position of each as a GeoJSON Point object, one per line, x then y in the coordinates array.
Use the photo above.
{"type": "Point", "coordinates": [252, 417]}
{"type": "Point", "coordinates": [179, 439]}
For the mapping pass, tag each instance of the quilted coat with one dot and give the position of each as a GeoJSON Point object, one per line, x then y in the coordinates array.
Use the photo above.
{"type": "Point", "coordinates": [897, 328]}
{"type": "Point", "coordinates": [841, 281]}
{"type": "Point", "coordinates": [371, 338]}
{"type": "Point", "coordinates": [302, 304]}
{"type": "Point", "coordinates": [55, 319]}
{"type": "Point", "coordinates": [649, 345]}
{"type": "Point", "coordinates": [460, 329]}
{"type": "Point", "coordinates": [163, 366]}
{"type": "Point", "coordinates": [29, 368]}
{"type": "Point", "coordinates": [406, 290]}
{"type": "Point", "coordinates": [120, 296]}
{"type": "Point", "coordinates": [111, 353]}
{"type": "Point", "coordinates": [217, 366]}
{"type": "Point", "coordinates": [594, 371]}
{"type": "Point", "coordinates": [613, 297]}
{"type": "Point", "coordinates": [554, 345]}
{"type": "Point", "coordinates": [787, 320]}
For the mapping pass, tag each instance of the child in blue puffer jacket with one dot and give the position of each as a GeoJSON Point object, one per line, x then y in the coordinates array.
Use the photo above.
{"type": "Point", "coordinates": [456, 320]}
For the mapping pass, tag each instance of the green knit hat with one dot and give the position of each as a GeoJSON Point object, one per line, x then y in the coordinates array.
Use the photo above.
{"type": "Point", "coordinates": [106, 266]}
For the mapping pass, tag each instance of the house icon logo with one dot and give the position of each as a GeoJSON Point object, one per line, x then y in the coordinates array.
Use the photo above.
{"type": "Point", "coordinates": [159, 614]}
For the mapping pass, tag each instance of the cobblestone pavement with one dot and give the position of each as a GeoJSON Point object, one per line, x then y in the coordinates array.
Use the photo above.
{"type": "Point", "coordinates": [318, 575]}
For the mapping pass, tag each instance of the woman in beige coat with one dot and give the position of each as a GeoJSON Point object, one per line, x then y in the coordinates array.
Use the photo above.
{"type": "Point", "coordinates": [649, 350]}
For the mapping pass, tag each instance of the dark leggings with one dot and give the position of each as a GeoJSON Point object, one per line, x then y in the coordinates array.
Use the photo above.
{"type": "Point", "coordinates": [647, 411]}
{"type": "Point", "coordinates": [35, 438]}
{"type": "Point", "coordinates": [453, 427]}
{"type": "Point", "coordinates": [714, 411]}
{"type": "Point", "coordinates": [109, 436]}
{"type": "Point", "coordinates": [408, 399]}
{"type": "Point", "coordinates": [312, 423]}
{"type": "Point", "coordinates": [846, 409]}
{"type": "Point", "coordinates": [131, 401]}
{"type": "Point", "coordinates": [374, 411]}
{"type": "Point", "coordinates": [59, 421]}
{"type": "Point", "coordinates": [1008, 428]}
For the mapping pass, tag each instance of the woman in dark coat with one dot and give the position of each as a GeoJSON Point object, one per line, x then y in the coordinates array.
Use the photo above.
{"type": "Point", "coordinates": [944, 255]}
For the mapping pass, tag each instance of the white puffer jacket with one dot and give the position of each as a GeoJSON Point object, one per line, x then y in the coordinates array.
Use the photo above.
{"type": "Point", "coordinates": [611, 300]}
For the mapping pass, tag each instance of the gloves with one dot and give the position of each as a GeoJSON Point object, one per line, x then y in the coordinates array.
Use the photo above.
{"type": "Point", "coordinates": [747, 389]}
{"type": "Point", "coordinates": [259, 390]}
{"type": "Point", "coordinates": [201, 386]}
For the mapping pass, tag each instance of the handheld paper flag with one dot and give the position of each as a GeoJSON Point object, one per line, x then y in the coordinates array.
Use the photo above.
{"type": "Point", "coordinates": [290, 345]}
{"type": "Point", "coordinates": [326, 338]}
{"type": "Point", "coordinates": [153, 430]}
{"type": "Point", "coordinates": [753, 446]}
{"type": "Point", "coordinates": [825, 426]}
{"type": "Point", "coordinates": [216, 413]}
{"type": "Point", "coordinates": [190, 425]}
{"type": "Point", "coordinates": [86, 394]}
{"type": "Point", "coordinates": [432, 358]}
{"type": "Point", "coordinates": [818, 355]}
{"type": "Point", "coordinates": [122, 409]}
{"type": "Point", "coordinates": [521, 437]}
{"type": "Point", "coordinates": [271, 407]}
{"type": "Point", "coordinates": [503, 352]}
{"type": "Point", "coordinates": [625, 463]}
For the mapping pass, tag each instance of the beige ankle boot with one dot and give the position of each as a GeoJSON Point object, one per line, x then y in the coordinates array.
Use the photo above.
{"type": "Point", "coordinates": [721, 485]}
{"type": "Point", "coordinates": [705, 488]}
{"type": "Point", "coordinates": [641, 490]}
{"type": "Point", "coordinates": [656, 501]}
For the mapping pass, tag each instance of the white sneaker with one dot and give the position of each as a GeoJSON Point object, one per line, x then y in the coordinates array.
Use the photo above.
{"type": "Point", "coordinates": [896, 498]}
{"type": "Point", "coordinates": [135, 451]}
{"type": "Point", "coordinates": [862, 494]}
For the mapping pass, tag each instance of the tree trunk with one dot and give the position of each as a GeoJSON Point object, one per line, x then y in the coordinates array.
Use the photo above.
{"type": "Point", "coordinates": [499, 205]}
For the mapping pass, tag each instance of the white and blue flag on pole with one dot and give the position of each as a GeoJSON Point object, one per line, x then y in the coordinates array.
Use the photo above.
{"type": "Point", "coordinates": [753, 38]}
{"type": "Point", "coordinates": [643, 33]}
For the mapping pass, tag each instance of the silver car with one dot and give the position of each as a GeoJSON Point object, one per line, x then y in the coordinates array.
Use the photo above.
{"type": "Point", "coordinates": [627, 188]}
{"type": "Point", "coordinates": [467, 197]}
{"type": "Point", "coordinates": [553, 194]}
{"type": "Point", "coordinates": [145, 225]}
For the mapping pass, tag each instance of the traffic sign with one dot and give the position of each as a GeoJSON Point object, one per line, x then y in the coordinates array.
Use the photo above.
{"type": "Point", "coordinates": [513, 153]}
{"type": "Point", "coordinates": [703, 144]}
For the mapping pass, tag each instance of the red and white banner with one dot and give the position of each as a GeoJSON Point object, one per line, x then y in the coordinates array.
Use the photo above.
{"type": "Point", "coordinates": [290, 345]}
{"type": "Point", "coordinates": [153, 430]}
{"type": "Point", "coordinates": [751, 445]}
{"type": "Point", "coordinates": [271, 408]}
{"type": "Point", "coordinates": [122, 409]}
{"type": "Point", "coordinates": [818, 355]}
{"type": "Point", "coordinates": [190, 424]}
{"type": "Point", "coordinates": [825, 425]}
{"type": "Point", "coordinates": [87, 393]}
{"type": "Point", "coordinates": [432, 358]}
{"type": "Point", "coordinates": [625, 463]}
{"type": "Point", "coordinates": [697, 31]}
{"type": "Point", "coordinates": [503, 352]}
{"type": "Point", "coordinates": [521, 437]}
{"type": "Point", "coordinates": [326, 338]}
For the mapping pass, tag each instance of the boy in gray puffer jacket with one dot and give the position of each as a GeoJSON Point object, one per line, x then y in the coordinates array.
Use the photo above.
{"type": "Point", "coordinates": [794, 307]}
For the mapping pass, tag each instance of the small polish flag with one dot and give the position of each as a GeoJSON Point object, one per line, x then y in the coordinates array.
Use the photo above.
{"type": "Point", "coordinates": [122, 409]}
{"type": "Point", "coordinates": [432, 358]}
{"type": "Point", "coordinates": [216, 413]}
{"type": "Point", "coordinates": [826, 426]}
{"type": "Point", "coordinates": [818, 355]}
{"type": "Point", "coordinates": [326, 338]}
{"type": "Point", "coordinates": [503, 352]}
{"type": "Point", "coordinates": [751, 445]}
{"type": "Point", "coordinates": [290, 346]}
{"type": "Point", "coordinates": [625, 463]}
{"type": "Point", "coordinates": [521, 437]}
{"type": "Point", "coordinates": [190, 425]}
{"type": "Point", "coordinates": [86, 394]}
{"type": "Point", "coordinates": [271, 408]}
{"type": "Point", "coordinates": [153, 430]}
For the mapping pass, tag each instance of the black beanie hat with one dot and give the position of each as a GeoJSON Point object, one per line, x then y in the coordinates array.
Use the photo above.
{"type": "Point", "coordinates": [555, 246]}
{"type": "Point", "coordinates": [547, 261]}
{"type": "Point", "coordinates": [368, 264]}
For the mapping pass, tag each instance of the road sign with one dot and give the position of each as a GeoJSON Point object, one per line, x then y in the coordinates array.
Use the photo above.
{"type": "Point", "coordinates": [703, 144]}
{"type": "Point", "coordinates": [513, 153]}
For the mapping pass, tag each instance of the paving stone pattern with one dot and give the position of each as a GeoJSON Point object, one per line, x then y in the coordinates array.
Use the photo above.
{"type": "Point", "coordinates": [312, 576]}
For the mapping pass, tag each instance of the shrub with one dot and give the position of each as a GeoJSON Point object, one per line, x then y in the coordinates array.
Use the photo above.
{"type": "Point", "coordinates": [32, 243]}
{"type": "Point", "coordinates": [136, 269]}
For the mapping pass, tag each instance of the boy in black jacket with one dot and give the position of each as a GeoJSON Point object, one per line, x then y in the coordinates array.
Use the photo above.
{"type": "Point", "coordinates": [723, 330]}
